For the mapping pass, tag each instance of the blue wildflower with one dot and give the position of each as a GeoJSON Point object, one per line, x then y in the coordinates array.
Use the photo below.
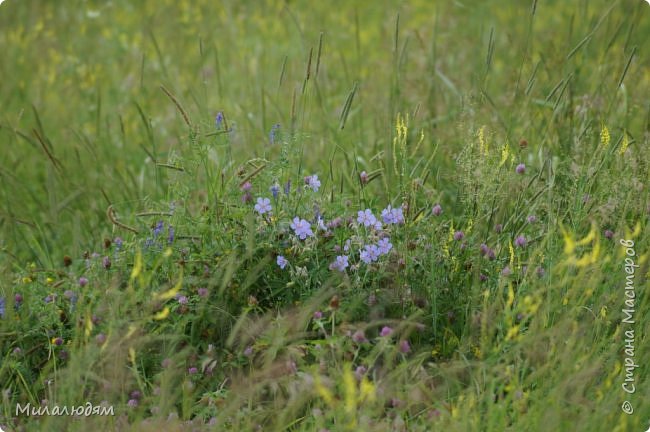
{"type": "Point", "coordinates": [263, 205]}
{"type": "Point", "coordinates": [219, 120]}
{"type": "Point", "coordinates": [273, 132]}
{"type": "Point", "coordinates": [2, 307]}
{"type": "Point", "coordinates": [369, 254]}
{"type": "Point", "coordinates": [158, 228]}
{"type": "Point", "coordinates": [302, 228]}
{"type": "Point", "coordinates": [366, 218]}
{"type": "Point", "coordinates": [282, 262]}
{"type": "Point", "coordinates": [384, 246]}
{"type": "Point", "coordinates": [313, 182]}
{"type": "Point", "coordinates": [275, 189]}
{"type": "Point", "coordinates": [170, 235]}
{"type": "Point", "coordinates": [340, 264]}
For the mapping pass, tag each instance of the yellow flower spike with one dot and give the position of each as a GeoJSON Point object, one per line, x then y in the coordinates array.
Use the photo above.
{"type": "Point", "coordinates": [590, 237]}
{"type": "Point", "coordinates": [367, 390]}
{"type": "Point", "coordinates": [604, 136]}
{"type": "Point", "coordinates": [168, 252]}
{"type": "Point", "coordinates": [137, 266]}
{"type": "Point", "coordinates": [350, 390]}
{"type": "Point", "coordinates": [483, 146]}
{"type": "Point", "coordinates": [88, 325]}
{"type": "Point", "coordinates": [27, 280]}
{"type": "Point", "coordinates": [324, 392]}
{"type": "Point", "coordinates": [162, 314]}
{"type": "Point", "coordinates": [512, 253]}
{"type": "Point", "coordinates": [505, 152]}
{"type": "Point", "coordinates": [603, 312]}
{"type": "Point", "coordinates": [569, 243]}
{"type": "Point", "coordinates": [132, 356]}
{"type": "Point", "coordinates": [173, 291]}
{"type": "Point", "coordinates": [513, 332]}
{"type": "Point", "coordinates": [470, 225]}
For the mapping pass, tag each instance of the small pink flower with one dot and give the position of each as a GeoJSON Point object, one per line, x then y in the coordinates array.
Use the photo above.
{"type": "Point", "coordinates": [386, 331]}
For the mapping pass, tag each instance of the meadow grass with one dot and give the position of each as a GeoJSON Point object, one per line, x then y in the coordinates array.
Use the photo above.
{"type": "Point", "coordinates": [336, 216]}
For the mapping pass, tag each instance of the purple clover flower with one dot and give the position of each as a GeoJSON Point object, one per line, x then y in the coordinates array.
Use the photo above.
{"type": "Point", "coordinates": [520, 169]}
{"type": "Point", "coordinates": [281, 262]}
{"type": "Point", "coordinates": [263, 205]}
{"type": "Point", "coordinates": [202, 292]}
{"type": "Point", "coordinates": [359, 337]}
{"type": "Point", "coordinates": [363, 177]}
{"type": "Point", "coordinates": [521, 241]}
{"type": "Point", "coordinates": [83, 281]}
{"type": "Point", "coordinates": [318, 315]}
{"type": "Point", "coordinates": [404, 347]}
{"type": "Point", "coordinates": [302, 228]}
{"type": "Point", "coordinates": [436, 210]}
{"type": "Point", "coordinates": [531, 219]}
{"type": "Point", "coordinates": [459, 235]}
{"type": "Point", "coordinates": [246, 198]}
{"type": "Point", "coordinates": [247, 186]}
{"type": "Point", "coordinates": [385, 331]}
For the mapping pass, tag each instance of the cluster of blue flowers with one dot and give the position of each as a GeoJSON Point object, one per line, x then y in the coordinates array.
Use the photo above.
{"type": "Point", "coordinates": [302, 228]}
